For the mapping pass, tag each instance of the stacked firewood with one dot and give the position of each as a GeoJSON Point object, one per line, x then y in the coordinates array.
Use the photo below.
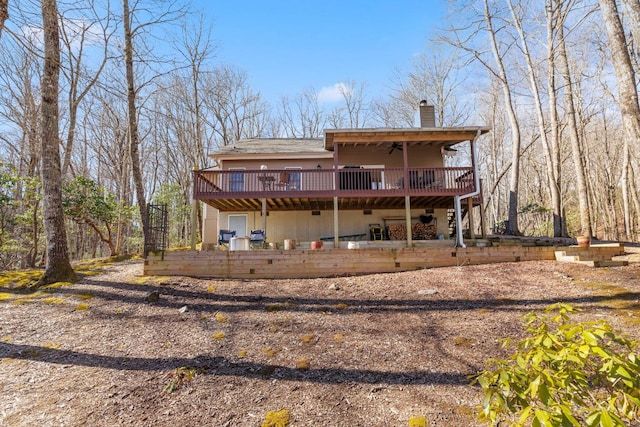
{"type": "Point", "coordinates": [419, 231]}
{"type": "Point", "coordinates": [422, 231]}
{"type": "Point", "coordinates": [397, 232]}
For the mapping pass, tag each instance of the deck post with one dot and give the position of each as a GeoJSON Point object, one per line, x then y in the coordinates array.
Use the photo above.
{"type": "Point", "coordinates": [336, 228]}
{"type": "Point", "coordinates": [264, 215]}
{"type": "Point", "coordinates": [194, 218]}
{"type": "Point", "coordinates": [407, 213]}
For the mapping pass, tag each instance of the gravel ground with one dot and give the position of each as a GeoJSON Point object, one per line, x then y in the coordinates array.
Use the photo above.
{"type": "Point", "coordinates": [118, 348]}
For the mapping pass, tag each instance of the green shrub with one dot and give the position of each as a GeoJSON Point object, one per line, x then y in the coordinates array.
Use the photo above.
{"type": "Point", "coordinates": [563, 374]}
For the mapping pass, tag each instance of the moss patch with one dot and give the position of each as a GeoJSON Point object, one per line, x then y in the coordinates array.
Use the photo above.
{"type": "Point", "coordinates": [19, 279]}
{"type": "Point", "coordinates": [626, 308]}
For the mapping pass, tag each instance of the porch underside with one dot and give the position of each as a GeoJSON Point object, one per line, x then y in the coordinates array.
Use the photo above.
{"type": "Point", "coordinates": [326, 203]}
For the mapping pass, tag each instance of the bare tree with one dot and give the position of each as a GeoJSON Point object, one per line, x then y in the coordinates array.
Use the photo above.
{"type": "Point", "coordinates": [354, 111]}
{"type": "Point", "coordinates": [574, 137]}
{"type": "Point", "coordinates": [501, 73]}
{"type": "Point", "coordinates": [196, 49]}
{"type": "Point", "coordinates": [132, 114]}
{"type": "Point", "coordinates": [553, 156]}
{"type": "Point", "coordinates": [627, 92]}
{"type": "Point", "coordinates": [58, 268]}
{"type": "Point", "coordinates": [233, 109]}
{"type": "Point", "coordinates": [302, 117]}
{"type": "Point", "coordinates": [76, 35]}
{"type": "Point", "coordinates": [434, 77]}
{"type": "Point", "coordinates": [553, 175]}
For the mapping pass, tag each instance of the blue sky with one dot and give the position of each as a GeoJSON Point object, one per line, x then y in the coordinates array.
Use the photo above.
{"type": "Point", "coordinates": [288, 46]}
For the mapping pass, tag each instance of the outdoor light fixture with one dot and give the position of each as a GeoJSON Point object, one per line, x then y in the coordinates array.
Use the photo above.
{"type": "Point", "coordinates": [263, 167]}
{"type": "Point", "coordinates": [448, 151]}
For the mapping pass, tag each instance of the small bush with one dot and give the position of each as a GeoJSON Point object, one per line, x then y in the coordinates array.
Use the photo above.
{"type": "Point", "coordinates": [180, 377]}
{"type": "Point", "coordinates": [564, 374]}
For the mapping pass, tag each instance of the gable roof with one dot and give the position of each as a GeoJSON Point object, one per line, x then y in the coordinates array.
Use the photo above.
{"type": "Point", "coordinates": [272, 146]}
{"type": "Point", "coordinates": [323, 147]}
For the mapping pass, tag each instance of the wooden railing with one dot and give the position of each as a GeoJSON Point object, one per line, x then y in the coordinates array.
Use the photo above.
{"type": "Point", "coordinates": [348, 182]}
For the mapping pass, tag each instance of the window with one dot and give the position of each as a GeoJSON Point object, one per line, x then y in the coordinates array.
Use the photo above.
{"type": "Point", "coordinates": [295, 179]}
{"type": "Point", "coordinates": [236, 180]}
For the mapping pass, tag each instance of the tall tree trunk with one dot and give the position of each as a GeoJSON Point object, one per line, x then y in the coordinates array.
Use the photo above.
{"type": "Point", "coordinates": [512, 227]}
{"type": "Point", "coordinates": [58, 267]}
{"type": "Point", "coordinates": [134, 139]}
{"type": "Point", "coordinates": [636, 201]}
{"type": "Point", "coordinates": [574, 137]}
{"type": "Point", "coordinates": [632, 11]}
{"type": "Point", "coordinates": [553, 179]}
{"type": "Point", "coordinates": [627, 94]}
{"type": "Point", "coordinates": [559, 220]}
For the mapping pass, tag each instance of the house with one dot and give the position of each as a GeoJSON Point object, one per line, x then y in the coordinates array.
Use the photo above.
{"type": "Point", "coordinates": [353, 184]}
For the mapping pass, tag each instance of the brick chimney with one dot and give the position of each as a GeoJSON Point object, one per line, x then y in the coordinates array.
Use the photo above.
{"type": "Point", "coordinates": [427, 115]}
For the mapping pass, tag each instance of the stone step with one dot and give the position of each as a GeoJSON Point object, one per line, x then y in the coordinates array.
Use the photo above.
{"type": "Point", "coordinates": [610, 263]}
{"type": "Point", "coordinates": [597, 263]}
{"type": "Point", "coordinates": [567, 258]}
{"type": "Point", "coordinates": [589, 259]}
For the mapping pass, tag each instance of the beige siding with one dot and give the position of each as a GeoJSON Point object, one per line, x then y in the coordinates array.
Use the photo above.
{"type": "Point", "coordinates": [371, 155]}
{"type": "Point", "coordinates": [359, 155]}
{"type": "Point", "coordinates": [278, 164]}
{"type": "Point", "coordinates": [209, 225]}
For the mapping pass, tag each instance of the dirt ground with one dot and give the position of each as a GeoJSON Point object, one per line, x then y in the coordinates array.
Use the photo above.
{"type": "Point", "coordinates": [118, 348]}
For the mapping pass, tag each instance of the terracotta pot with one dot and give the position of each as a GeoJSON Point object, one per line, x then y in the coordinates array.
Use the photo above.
{"type": "Point", "coordinates": [583, 241]}
{"type": "Point", "coordinates": [316, 244]}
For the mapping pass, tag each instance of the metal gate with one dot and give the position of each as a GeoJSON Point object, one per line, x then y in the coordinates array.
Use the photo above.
{"type": "Point", "coordinates": [155, 239]}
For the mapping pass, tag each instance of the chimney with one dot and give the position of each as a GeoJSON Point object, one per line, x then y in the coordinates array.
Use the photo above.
{"type": "Point", "coordinates": [427, 115]}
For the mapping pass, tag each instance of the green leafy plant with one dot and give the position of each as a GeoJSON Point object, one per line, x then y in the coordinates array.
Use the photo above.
{"type": "Point", "coordinates": [563, 374]}
{"type": "Point", "coordinates": [86, 202]}
{"type": "Point", "coordinates": [21, 236]}
{"type": "Point", "coordinates": [180, 377]}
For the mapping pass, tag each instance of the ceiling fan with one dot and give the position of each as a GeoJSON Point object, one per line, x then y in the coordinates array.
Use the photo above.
{"type": "Point", "coordinates": [395, 146]}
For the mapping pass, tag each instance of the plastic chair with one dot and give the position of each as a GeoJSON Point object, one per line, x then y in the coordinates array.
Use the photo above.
{"type": "Point", "coordinates": [224, 237]}
{"type": "Point", "coordinates": [285, 179]}
{"type": "Point", "coordinates": [257, 238]}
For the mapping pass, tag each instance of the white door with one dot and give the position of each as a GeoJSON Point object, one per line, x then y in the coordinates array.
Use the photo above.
{"type": "Point", "coordinates": [238, 223]}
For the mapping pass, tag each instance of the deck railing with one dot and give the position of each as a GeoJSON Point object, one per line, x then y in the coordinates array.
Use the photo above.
{"type": "Point", "coordinates": [348, 182]}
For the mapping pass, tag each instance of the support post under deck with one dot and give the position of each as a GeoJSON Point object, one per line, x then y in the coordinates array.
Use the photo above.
{"type": "Point", "coordinates": [336, 228]}
{"type": "Point", "coordinates": [407, 213]}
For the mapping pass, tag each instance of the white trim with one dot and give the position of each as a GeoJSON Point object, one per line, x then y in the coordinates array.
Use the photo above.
{"type": "Point", "coordinates": [456, 199]}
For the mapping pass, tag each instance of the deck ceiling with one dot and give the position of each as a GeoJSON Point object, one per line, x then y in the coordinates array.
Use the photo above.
{"type": "Point", "coordinates": [412, 136]}
{"type": "Point", "coordinates": [344, 203]}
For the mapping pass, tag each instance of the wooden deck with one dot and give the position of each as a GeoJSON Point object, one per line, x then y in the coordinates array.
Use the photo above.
{"type": "Point", "coordinates": [306, 263]}
{"type": "Point", "coordinates": [315, 189]}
